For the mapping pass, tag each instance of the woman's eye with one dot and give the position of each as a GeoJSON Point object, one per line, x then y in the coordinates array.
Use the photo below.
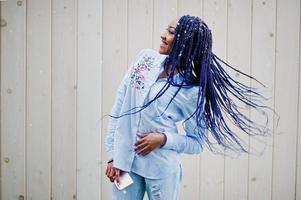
{"type": "Point", "coordinates": [170, 31]}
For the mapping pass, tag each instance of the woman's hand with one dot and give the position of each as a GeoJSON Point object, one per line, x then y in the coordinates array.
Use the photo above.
{"type": "Point", "coordinates": [148, 142]}
{"type": "Point", "coordinates": [112, 172]}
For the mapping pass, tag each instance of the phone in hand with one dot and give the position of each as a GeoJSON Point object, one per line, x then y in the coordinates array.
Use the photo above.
{"type": "Point", "coordinates": [124, 181]}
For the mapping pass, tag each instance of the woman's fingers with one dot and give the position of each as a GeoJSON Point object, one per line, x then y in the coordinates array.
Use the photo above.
{"type": "Point", "coordinates": [144, 150]}
{"type": "Point", "coordinates": [117, 175]}
{"type": "Point", "coordinates": [109, 167]}
{"type": "Point", "coordinates": [140, 146]}
{"type": "Point", "coordinates": [147, 144]}
{"type": "Point", "coordinates": [107, 170]}
{"type": "Point", "coordinates": [142, 135]}
{"type": "Point", "coordinates": [111, 172]}
{"type": "Point", "coordinates": [112, 177]}
{"type": "Point", "coordinates": [139, 141]}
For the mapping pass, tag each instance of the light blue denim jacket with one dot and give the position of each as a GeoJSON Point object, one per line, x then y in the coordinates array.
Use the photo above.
{"type": "Point", "coordinates": [137, 87]}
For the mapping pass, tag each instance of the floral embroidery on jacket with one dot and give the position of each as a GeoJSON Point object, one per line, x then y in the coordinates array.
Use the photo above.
{"type": "Point", "coordinates": [139, 71]}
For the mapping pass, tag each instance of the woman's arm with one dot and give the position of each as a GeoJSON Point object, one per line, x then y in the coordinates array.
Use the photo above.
{"type": "Point", "coordinates": [189, 143]}
{"type": "Point", "coordinates": [119, 98]}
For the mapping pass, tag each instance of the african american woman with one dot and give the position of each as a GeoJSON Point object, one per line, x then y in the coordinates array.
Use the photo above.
{"type": "Point", "coordinates": [183, 81]}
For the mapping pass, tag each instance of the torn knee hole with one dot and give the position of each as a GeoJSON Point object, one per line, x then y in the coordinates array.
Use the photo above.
{"type": "Point", "coordinates": [155, 191]}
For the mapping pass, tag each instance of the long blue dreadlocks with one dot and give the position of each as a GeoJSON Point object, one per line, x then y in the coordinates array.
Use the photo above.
{"type": "Point", "coordinates": [193, 58]}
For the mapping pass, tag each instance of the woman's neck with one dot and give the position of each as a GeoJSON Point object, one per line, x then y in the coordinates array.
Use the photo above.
{"type": "Point", "coordinates": [169, 70]}
{"type": "Point", "coordinates": [164, 75]}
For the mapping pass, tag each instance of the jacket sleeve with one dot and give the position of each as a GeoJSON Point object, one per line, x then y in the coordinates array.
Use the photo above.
{"type": "Point", "coordinates": [115, 111]}
{"type": "Point", "coordinates": [191, 142]}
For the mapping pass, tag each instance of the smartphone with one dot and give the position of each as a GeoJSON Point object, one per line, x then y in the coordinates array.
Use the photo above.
{"type": "Point", "coordinates": [124, 181]}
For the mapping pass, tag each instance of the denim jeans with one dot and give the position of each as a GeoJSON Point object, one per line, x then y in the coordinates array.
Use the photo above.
{"type": "Point", "coordinates": [156, 189]}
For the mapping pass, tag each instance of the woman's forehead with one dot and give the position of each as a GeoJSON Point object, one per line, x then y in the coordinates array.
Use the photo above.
{"type": "Point", "coordinates": [173, 23]}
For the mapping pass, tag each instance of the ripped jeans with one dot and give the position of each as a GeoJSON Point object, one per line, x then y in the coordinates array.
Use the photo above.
{"type": "Point", "coordinates": [156, 189]}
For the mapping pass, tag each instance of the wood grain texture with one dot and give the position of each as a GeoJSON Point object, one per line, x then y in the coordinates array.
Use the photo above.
{"type": "Point", "coordinates": [89, 61]}
{"type": "Point", "coordinates": [212, 166]}
{"type": "Point", "coordinates": [263, 68]}
{"type": "Point", "coordinates": [115, 65]}
{"type": "Point", "coordinates": [298, 165]}
{"type": "Point", "coordinates": [12, 102]}
{"type": "Point", "coordinates": [238, 55]}
{"type": "Point", "coordinates": [286, 98]}
{"type": "Point", "coordinates": [63, 108]}
{"type": "Point", "coordinates": [38, 92]}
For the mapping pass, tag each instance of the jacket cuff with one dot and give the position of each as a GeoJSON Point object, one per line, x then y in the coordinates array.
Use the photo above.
{"type": "Point", "coordinates": [169, 140]}
{"type": "Point", "coordinates": [165, 139]}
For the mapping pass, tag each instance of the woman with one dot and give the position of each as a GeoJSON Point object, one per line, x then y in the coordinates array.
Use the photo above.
{"type": "Point", "coordinates": [185, 82]}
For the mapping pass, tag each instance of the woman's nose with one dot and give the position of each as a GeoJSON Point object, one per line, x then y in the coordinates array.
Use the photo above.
{"type": "Point", "coordinates": [163, 37]}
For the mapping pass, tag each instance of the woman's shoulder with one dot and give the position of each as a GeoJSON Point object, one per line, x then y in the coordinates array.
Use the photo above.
{"type": "Point", "coordinates": [150, 55]}
{"type": "Point", "coordinates": [151, 52]}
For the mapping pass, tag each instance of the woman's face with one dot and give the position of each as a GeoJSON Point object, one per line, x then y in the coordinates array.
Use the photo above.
{"type": "Point", "coordinates": [167, 38]}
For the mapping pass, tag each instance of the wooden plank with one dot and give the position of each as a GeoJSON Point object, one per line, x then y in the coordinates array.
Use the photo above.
{"type": "Point", "coordinates": [238, 55]}
{"type": "Point", "coordinates": [0, 99]}
{"type": "Point", "coordinates": [38, 123]}
{"type": "Point", "coordinates": [89, 99]}
{"type": "Point", "coordinates": [263, 56]}
{"type": "Point", "coordinates": [192, 7]}
{"type": "Point", "coordinates": [298, 167]}
{"type": "Point", "coordinates": [212, 166]}
{"type": "Point", "coordinates": [191, 172]}
{"type": "Point", "coordinates": [164, 13]}
{"type": "Point", "coordinates": [64, 51]}
{"type": "Point", "coordinates": [114, 65]}
{"type": "Point", "coordinates": [286, 98]}
{"type": "Point", "coordinates": [140, 26]}
{"type": "Point", "coordinates": [12, 100]}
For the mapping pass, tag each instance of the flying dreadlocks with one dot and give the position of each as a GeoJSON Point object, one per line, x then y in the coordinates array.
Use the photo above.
{"type": "Point", "coordinates": [193, 58]}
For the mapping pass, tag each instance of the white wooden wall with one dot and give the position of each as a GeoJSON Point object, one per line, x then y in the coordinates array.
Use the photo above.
{"type": "Point", "coordinates": [62, 61]}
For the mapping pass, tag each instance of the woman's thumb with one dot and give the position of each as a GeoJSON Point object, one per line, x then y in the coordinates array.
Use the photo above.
{"type": "Point", "coordinates": [117, 176]}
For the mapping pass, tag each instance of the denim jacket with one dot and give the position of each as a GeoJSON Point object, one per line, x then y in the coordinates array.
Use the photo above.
{"type": "Point", "coordinates": [138, 86]}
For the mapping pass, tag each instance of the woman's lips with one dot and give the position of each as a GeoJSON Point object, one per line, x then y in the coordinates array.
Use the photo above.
{"type": "Point", "coordinates": [163, 44]}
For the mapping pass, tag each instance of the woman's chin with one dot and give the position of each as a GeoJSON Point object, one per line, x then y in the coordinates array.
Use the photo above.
{"type": "Point", "coordinates": [162, 51]}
